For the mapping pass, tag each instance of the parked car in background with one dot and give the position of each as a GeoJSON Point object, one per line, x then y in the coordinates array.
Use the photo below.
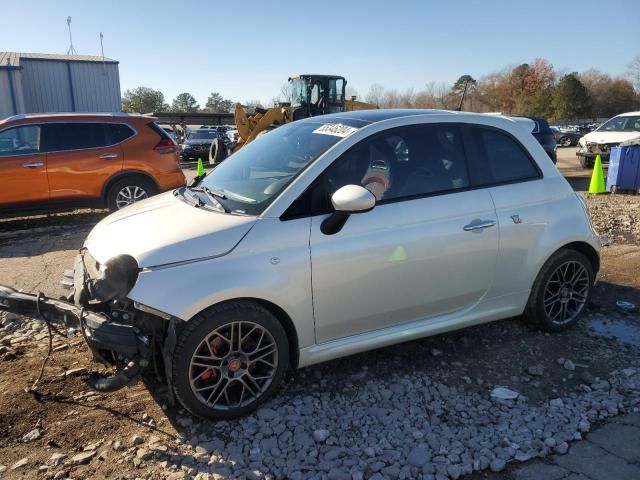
{"type": "Point", "coordinates": [53, 161]}
{"type": "Point", "coordinates": [565, 138]}
{"type": "Point", "coordinates": [608, 135]}
{"type": "Point", "coordinates": [198, 144]}
{"type": "Point", "coordinates": [410, 223]}
{"type": "Point", "coordinates": [546, 137]}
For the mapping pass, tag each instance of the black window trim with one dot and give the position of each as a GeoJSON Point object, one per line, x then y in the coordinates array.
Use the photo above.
{"type": "Point", "coordinates": [467, 147]}
{"type": "Point", "coordinates": [42, 124]}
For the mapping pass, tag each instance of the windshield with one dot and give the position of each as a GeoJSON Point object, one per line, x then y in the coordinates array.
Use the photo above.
{"type": "Point", "coordinates": [202, 135]}
{"type": "Point", "coordinates": [629, 123]}
{"type": "Point", "coordinates": [253, 177]}
{"type": "Point", "coordinates": [298, 93]}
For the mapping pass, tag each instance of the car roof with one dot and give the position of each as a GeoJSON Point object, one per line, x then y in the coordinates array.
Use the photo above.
{"type": "Point", "coordinates": [362, 118]}
{"type": "Point", "coordinates": [73, 116]}
{"type": "Point", "coordinates": [628, 114]}
{"type": "Point", "coordinates": [365, 117]}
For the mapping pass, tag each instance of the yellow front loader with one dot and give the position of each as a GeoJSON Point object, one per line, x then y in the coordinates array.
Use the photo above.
{"type": "Point", "coordinates": [311, 95]}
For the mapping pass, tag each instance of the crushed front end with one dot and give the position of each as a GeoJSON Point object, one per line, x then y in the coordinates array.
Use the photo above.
{"type": "Point", "coordinates": [118, 333]}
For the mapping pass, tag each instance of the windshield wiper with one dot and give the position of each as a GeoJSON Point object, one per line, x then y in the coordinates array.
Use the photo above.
{"type": "Point", "coordinates": [213, 195]}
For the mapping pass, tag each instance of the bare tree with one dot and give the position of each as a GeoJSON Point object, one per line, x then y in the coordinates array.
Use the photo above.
{"type": "Point", "coordinates": [634, 73]}
{"type": "Point", "coordinates": [350, 92]}
{"type": "Point", "coordinates": [375, 94]}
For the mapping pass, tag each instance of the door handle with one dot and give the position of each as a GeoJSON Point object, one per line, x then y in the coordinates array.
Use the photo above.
{"type": "Point", "coordinates": [33, 164]}
{"type": "Point", "coordinates": [479, 225]}
{"type": "Point", "coordinates": [108, 156]}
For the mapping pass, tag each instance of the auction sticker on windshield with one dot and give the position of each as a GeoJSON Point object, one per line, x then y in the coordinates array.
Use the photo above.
{"type": "Point", "coordinates": [335, 129]}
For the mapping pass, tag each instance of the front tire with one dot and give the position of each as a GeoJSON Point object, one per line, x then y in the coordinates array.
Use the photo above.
{"type": "Point", "coordinates": [229, 359]}
{"type": "Point", "coordinates": [561, 291]}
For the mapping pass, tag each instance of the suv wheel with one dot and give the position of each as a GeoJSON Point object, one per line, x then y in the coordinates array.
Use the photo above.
{"type": "Point", "coordinates": [565, 141]}
{"type": "Point", "coordinates": [561, 291]}
{"type": "Point", "coordinates": [229, 359]}
{"type": "Point", "coordinates": [127, 191]}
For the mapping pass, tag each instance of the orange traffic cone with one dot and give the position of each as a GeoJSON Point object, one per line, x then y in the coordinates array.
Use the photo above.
{"type": "Point", "coordinates": [597, 178]}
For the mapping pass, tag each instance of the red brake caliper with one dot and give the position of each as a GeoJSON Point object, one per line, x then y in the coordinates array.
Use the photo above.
{"type": "Point", "coordinates": [211, 373]}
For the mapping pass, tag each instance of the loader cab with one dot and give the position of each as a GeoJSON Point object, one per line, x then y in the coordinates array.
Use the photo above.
{"type": "Point", "coordinates": [313, 95]}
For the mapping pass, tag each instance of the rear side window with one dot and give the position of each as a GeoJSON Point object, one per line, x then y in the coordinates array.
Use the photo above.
{"type": "Point", "coordinates": [118, 133]}
{"type": "Point", "coordinates": [60, 137]}
{"type": "Point", "coordinates": [501, 158]}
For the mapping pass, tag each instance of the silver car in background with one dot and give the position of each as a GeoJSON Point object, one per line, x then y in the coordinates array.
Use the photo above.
{"type": "Point", "coordinates": [331, 236]}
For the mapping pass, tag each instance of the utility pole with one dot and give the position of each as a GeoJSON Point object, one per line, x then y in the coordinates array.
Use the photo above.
{"type": "Point", "coordinates": [72, 50]}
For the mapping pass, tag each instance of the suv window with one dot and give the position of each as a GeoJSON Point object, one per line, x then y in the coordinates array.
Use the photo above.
{"type": "Point", "coordinates": [58, 137]}
{"type": "Point", "coordinates": [502, 159]}
{"type": "Point", "coordinates": [117, 133]}
{"type": "Point", "coordinates": [403, 163]}
{"type": "Point", "coordinates": [22, 140]}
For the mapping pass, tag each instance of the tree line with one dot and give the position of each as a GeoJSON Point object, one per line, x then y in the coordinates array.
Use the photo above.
{"type": "Point", "coordinates": [148, 100]}
{"type": "Point", "coordinates": [532, 89]}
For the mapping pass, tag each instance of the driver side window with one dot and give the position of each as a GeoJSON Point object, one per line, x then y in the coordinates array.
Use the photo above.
{"type": "Point", "coordinates": [402, 163]}
{"type": "Point", "coordinates": [22, 140]}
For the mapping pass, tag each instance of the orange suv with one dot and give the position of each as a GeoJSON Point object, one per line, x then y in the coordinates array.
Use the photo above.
{"type": "Point", "coordinates": [63, 160]}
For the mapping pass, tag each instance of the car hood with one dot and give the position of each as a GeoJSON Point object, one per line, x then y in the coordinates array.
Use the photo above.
{"type": "Point", "coordinates": [609, 137]}
{"type": "Point", "coordinates": [164, 229]}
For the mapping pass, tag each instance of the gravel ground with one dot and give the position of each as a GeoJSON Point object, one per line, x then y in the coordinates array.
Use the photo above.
{"type": "Point", "coordinates": [616, 217]}
{"type": "Point", "coordinates": [468, 404]}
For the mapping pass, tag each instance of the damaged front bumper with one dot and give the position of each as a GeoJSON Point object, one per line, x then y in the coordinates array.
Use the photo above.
{"type": "Point", "coordinates": [116, 333]}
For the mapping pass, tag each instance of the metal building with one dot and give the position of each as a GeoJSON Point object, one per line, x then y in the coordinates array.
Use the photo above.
{"type": "Point", "coordinates": [38, 82]}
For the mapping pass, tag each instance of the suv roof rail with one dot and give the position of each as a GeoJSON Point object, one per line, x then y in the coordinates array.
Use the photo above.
{"type": "Point", "coordinates": [19, 116]}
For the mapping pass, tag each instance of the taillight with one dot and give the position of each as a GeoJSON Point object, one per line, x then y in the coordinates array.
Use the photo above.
{"type": "Point", "coordinates": [166, 145]}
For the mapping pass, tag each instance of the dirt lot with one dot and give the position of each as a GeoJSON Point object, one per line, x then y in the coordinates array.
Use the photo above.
{"type": "Point", "coordinates": [133, 434]}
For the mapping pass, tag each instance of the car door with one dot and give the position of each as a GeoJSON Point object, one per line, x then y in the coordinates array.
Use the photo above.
{"type": "Point", "coordinates": [428, 248]}
{"type": "Point", "coordinates": [522, 200]}
{"type": "Point", "coordinates": [81, 157]}
{"type": "Point", "coordinates": [23, 166]}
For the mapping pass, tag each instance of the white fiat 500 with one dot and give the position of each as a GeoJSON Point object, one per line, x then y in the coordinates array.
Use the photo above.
{"type": "Point", "coordinates": [327, 237]}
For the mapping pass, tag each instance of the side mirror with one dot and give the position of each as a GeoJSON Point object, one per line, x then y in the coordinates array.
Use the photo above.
{"type": "Point", "coordinates": [347, 200]}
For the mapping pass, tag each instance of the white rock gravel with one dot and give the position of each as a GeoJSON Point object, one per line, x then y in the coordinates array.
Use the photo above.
{"type": "Point", "coordinates": [429, 431]}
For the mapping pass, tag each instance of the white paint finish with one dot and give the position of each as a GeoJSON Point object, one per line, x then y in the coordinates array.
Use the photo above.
{"type": "Point", "coordinates": [163, 229]}
{"type": "Point", "coordinates": [403, 270]}
{"type": "Point", "coordinates": [402, 261]}
{"type": "Point", "coordinates": [246, 272]}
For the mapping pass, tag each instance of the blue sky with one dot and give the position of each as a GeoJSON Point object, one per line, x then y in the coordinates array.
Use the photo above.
{"type": "Point", "coordinates": [248, 52]}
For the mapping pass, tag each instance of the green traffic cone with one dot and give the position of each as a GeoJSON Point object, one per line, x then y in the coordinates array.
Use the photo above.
{"type": "Point", "coordinates": [597, 178]}
{"type": "Point", "coordinates": [200, 170]}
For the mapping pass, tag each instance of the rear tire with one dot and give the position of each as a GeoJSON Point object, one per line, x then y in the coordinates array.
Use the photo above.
{"type": "Point", "coordinates": [128, 190]}
{"type": "Point", "coordinates": [561, 291]}
{"type": "Point", "coordinates": [229, 359]}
